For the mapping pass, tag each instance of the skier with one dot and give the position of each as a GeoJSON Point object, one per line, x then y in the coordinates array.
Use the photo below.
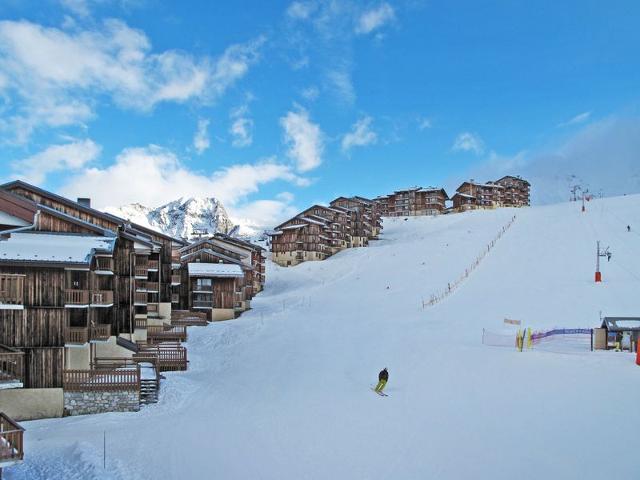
{"type": "Point", "coordinates": [383, 377]}
{"type": "Point", "coordinates": [628, 228]}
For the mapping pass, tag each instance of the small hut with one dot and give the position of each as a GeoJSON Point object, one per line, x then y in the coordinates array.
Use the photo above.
{"type": "Point", "coordinates": [621, 333]}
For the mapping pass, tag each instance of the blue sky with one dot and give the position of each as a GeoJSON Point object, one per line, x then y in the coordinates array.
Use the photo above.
{"type": "Point", "coordinates": [271, 106]}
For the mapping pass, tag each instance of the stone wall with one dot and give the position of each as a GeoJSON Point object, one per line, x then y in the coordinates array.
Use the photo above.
{"type": "Point", "coordinates": [83, 403]}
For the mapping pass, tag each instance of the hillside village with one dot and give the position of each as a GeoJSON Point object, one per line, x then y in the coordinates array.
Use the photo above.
{"type": "Point", "coordinates": [321, 231]}
{"type": "Point", "coordinates": [95, 310]}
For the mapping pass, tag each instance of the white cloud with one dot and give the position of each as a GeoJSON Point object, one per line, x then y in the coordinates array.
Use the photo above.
{"type": "Point", "coordinates": [301, 10]}
{"type": "Point", "coordinates": [154, 175]}
{"type": "Point", "coordinates": [310, 93]}
{"type": "Point", "coordinates": [360, 135]}
{"type": "Point", "coordinates": [79, 7]}
{"type": "Point", "coordinates": [304, 138]}
{"type": "Point", "coordinates": [341, 82]}
{"type": "Point", "coordinates": [241, 128]}
{"type": "Point", "coordinates": [50, 70]}
{"type": "Point", "coordinates": [374, 18]}
{"type": "Point", "coordinates": [201, 140]}
{"type": "Point", "coordinates": [580, 118]}
{"type": "Point", "coordinates": [70, 156]}
{"type": "Point", "coordinates": [424, 123]}
{"type": "Point", "coordinates": [600, 156]}
{"type": "Point", "coordinates": [468, 142]}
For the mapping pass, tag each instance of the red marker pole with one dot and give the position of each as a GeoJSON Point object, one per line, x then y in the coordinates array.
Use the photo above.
{"type": "Point", "coordinates": [638, 352]}
{"type": "Point", "coordinates": [598, 274]}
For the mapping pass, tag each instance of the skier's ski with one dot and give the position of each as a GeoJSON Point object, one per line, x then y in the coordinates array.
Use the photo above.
{"type": "Point", "coordinates": [382, 394]}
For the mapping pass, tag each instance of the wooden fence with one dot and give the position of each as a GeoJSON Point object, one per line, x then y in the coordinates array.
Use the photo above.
{"type": "Point", "coordinates": [452, 286]}
{"type": "Point", "coordinates": [11, 289]}
{"type": "Point", "coordinates": [121, 380]}
{"type": "Point", "coordinates": [11, 364]}
{"type": "Point", "coordinates": [11, 441]}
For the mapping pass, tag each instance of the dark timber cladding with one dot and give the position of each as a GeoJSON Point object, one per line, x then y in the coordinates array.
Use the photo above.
{"type": "Point", "coordinates": [90, 216]}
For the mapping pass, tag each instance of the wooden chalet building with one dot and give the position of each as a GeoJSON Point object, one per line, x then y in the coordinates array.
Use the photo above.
{"type": "Point", "coordinates": [220, 275]}
{"type": "Point", "coordinates": [516, 191]}
{"type": "Point", "coordinates": [507, 192]}
{"type": "Point", "coordinates": [315, 234]}
{"type": "Point", "coordinates": [254, 257]}
{"type": "Point", "coordinates": [76, 285]}
{"type": "Point", "coordinates": [415, 201]}
{"type": "Point", "coordinates": [365, 223]}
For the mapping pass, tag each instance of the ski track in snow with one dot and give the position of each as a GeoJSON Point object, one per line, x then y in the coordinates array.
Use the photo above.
{"type": "Point", "coordinates": [283, 391]}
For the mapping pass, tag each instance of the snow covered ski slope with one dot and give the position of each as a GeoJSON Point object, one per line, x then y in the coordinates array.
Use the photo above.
{"type": "Point", "coordinates": [283, 392]}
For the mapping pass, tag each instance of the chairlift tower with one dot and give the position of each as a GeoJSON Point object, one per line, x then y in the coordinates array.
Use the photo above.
{"type": "Point", "coordinates": [601, 253]}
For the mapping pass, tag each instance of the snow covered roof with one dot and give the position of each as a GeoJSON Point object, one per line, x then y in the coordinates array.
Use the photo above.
{"type": "Point", "coordinates": [458, 194]}
{"type": "Point", "coordinates": [313, 220]}
{"type": "Point", "coordinates": [48, 247]}
{"type": "Point", "coordinates": [215, 270]}
{"type": "Point", "coordinates": [621, 324]}
{"type": "Point", "coordinates": [293, 227]}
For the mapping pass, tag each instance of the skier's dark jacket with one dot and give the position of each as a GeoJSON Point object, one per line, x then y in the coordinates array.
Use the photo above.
{"type": "Point", "coordinates": [383, 375]}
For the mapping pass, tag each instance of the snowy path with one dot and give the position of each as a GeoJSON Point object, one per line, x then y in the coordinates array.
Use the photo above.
{"type": "Point", "coordinates": [283, 392]}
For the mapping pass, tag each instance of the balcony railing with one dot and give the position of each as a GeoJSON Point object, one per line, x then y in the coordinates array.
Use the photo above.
{"type": "Point", "coordinates": [102, 298]}
{"type": "Point", "coordinates": [11, 366]}
{"type": "Point", "coordinates": [11, 441]}
{"type": "Point", "coordinates": [125, 380]}
{"type": "Point", "coordinates": [76, 297]}
{"type": "Point", "coordinates": [100, 332]}
{"type": "Point", "coordinates": [141, 285]}
{"type": "Point", "coordinates": [166, 333]}
{"type": "Point", "coordinates": [104, 264]}
{"type": "Point", "coordinates": [154, 264]}
{"type": "Point", "coordinates": [140, 323]}
{"type": "Point", "coordinates": [202, 288]}
{"type": "Point", "coordinates": [202, 304]}
{"type": "Point", "coordinates": [140, 298]}
{"type": "Point", "coordinates": [76, 335]}
{"type": "Point", "coordinates": [152, 286]}
{"type": "Point", "coordinates": [11, 290]}
{"type": "Point", "coordinates": [142, 270]}
{"type": "Point", "coordinates": [175, 280]}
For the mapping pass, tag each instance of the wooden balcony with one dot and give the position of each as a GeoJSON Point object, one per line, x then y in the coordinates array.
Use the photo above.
{"type": "Point", "coordinates": [141, 285]}
{"type": "Point", "coordinates": [140, 323]}
{"type": "Point", "coordinates": [152, 309]}
{"type": "Point", "coordinates": [152, 286]}
{"type": "Point", "coordinates": [154, 265]}
{"type": "Point", "coordinates": [104, 266]}
{"type": "Point", "coordinates": [170, 357]}
{"type": "Point", "coordinates": [175, 280]}
{"type": "Point", "coordinates": [102, 298]}
{"type": "Point", "coordinates": [202, 288]}
{"type": "Point", "coordinates": [11, 366]}
{"type": "Point", "coordinates": [76, 335]}
{"type": "Point", "coordinates": [188, 319]}
{"type": "Point", "coordinates": [100, 332]}
{"type": "Point", "coordinates": [11, 442]}
{"type": "Point", "coordinates": [11, 291]}
{"type": "Point", "coordinates": [76, 298]}
{"type": "Point", "coordinates": [166, 333]}
{"type": "Point", "coordinates": [121, 380]}
{"type": "Point", "coordinates": [142, 271]}
{"type": "Point", "coordinates": [140, 298]}
{"type": "Point", "coordinates": [203, 304]}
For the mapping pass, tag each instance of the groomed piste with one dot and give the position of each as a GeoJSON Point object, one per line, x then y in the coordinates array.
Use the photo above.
{"type": "Point", "coordinates": [284, 391]}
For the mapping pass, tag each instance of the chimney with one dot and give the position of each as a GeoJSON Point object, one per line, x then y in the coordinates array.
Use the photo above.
{"type": "Point", "coordinates": [85, 202]}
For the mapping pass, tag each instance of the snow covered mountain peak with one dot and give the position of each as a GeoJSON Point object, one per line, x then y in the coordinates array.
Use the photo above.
{"type": "Point", "coordinates": [186, 217]}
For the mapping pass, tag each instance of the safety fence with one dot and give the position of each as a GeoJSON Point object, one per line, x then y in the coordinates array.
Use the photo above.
{"type": "Point", "coordinates": [559, 340]}
{"type": "Point", "coordinates": [452, 286]}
